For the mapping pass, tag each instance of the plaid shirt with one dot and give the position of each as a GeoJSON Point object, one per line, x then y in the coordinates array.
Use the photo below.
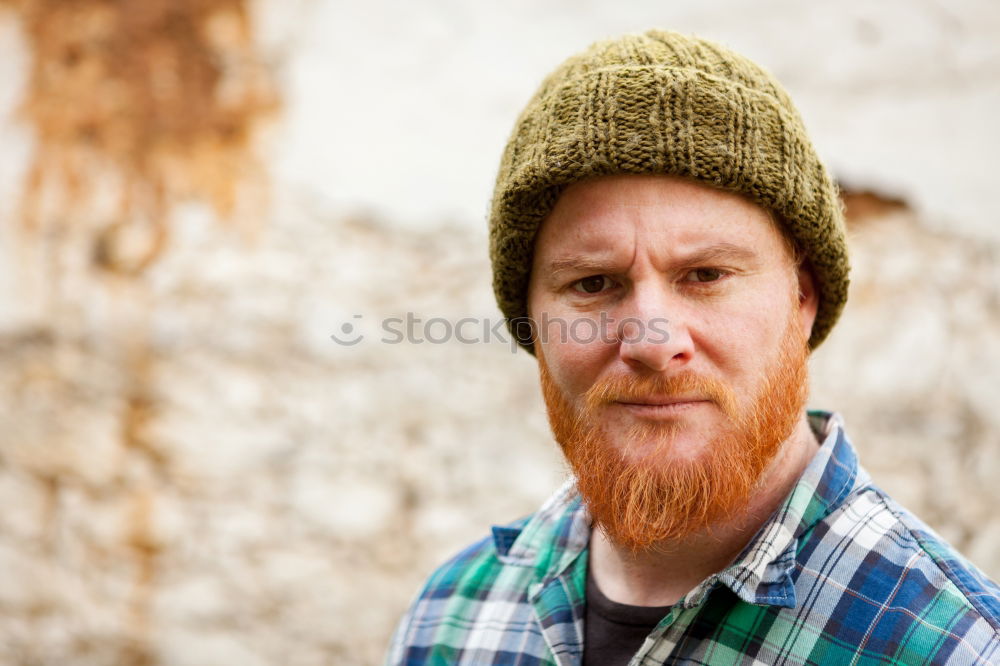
{"type": "Point", "coordinates": [840, 574]}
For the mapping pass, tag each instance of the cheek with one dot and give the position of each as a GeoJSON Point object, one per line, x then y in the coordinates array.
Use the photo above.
{"type": "Point", "coordinates": [741, 339]}
{"type": "Point", "coordinates": [573, 365]}
{"type": "Point", "coordinates": [575, 346]}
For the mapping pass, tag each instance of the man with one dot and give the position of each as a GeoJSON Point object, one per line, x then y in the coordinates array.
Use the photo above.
{"type": "Point", "coordinates": [666, 242]}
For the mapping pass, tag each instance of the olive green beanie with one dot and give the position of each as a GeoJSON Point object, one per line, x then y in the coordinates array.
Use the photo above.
{"type": "Point", "coordinates": [662, 102]}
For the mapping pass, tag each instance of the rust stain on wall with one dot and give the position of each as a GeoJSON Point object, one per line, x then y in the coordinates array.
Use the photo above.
{"type": "Point", "coordinates": [864, 204]}
{"type": "Point", "coordinates": [145, 550]}
{"type": "Point", "coordinates": [135, 106]}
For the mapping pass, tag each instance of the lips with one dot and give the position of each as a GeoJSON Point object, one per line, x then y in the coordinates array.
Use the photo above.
{"type": "Point", "coordinates": [657, 408]}
{"type": "Point", "coordinates": [654, 401]}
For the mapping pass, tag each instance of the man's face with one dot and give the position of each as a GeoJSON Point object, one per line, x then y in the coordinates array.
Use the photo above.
{"type": "Point", "coordinates": [672, 348]}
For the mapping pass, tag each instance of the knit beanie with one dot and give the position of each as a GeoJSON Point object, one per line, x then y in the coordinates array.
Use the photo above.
{"type": "Point", "coordinates": [662, 102]}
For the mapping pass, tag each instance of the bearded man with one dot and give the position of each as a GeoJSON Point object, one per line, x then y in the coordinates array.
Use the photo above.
{"type": "Point", "coordinates": [666, 242]}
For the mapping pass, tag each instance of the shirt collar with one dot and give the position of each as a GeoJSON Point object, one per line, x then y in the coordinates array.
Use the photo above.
{"type": "Point", "coordinates": [559, 532]}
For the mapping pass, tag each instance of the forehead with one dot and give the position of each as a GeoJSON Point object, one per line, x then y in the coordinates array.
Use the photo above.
{"type": "Point", "coordinates": [672, 215]}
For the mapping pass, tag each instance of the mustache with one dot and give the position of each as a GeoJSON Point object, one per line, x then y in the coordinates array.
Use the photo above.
{"type": "Point", "coordinates": [686, 385]}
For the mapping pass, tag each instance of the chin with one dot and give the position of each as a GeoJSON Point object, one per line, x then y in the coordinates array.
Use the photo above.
{"type": "Point", "coordinates": [663, 443]}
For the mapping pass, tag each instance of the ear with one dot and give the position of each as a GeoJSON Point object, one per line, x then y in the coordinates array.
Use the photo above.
{"type": "Point", "coordinates": [808, 300]}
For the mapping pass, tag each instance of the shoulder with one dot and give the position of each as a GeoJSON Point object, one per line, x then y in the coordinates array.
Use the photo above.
{"type": "Point", "coordinates": [473, 571]}
{"type": "Point", "coordinates": [942, 559]}
{"type": "Point", "coordinates": [475, 608]}
{"type": "Point", "coordinates": [458, 600]}
{"type": "Point", "coordinates": [898, 585]}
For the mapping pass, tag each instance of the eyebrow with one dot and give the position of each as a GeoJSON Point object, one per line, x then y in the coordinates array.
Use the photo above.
{"type": "Point", "coordinates": [716, 252]}
{"type": "Point", "coordinates": [720, 252]}
{"type": "Point", "coordinates": [577, 264]}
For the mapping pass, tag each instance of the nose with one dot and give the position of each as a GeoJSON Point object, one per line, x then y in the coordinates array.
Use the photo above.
{"type": "Point", "coordinates": [652, 332]}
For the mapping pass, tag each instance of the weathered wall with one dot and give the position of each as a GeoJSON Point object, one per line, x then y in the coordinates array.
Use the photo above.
{"type": "Point", "coordinates": [251, 492]}
{"type": "Point", "coordinates": [194, 473]}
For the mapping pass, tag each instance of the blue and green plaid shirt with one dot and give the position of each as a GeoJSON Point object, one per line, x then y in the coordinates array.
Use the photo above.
{"type": "Point", "coordinates": [840, 574]}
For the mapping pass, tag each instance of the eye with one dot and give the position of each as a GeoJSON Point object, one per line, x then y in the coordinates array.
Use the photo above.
{"type": "Point", "coordinates": [592, 284]}
{"type": "Point", "coordinates": [704, 275]}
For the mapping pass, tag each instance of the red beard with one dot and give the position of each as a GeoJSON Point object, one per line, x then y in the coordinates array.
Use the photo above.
{"type": "Point", "coordinates": [640, 497]}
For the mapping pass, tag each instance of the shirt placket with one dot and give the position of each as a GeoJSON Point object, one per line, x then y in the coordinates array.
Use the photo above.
{"type": "Point", "coordinates": [560, 619]}
{"type": "Point", "coordinates": [665, 638]}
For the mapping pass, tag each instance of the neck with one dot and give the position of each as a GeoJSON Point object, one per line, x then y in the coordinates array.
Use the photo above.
{"type": "Point", "coordinates": [664, 573]}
